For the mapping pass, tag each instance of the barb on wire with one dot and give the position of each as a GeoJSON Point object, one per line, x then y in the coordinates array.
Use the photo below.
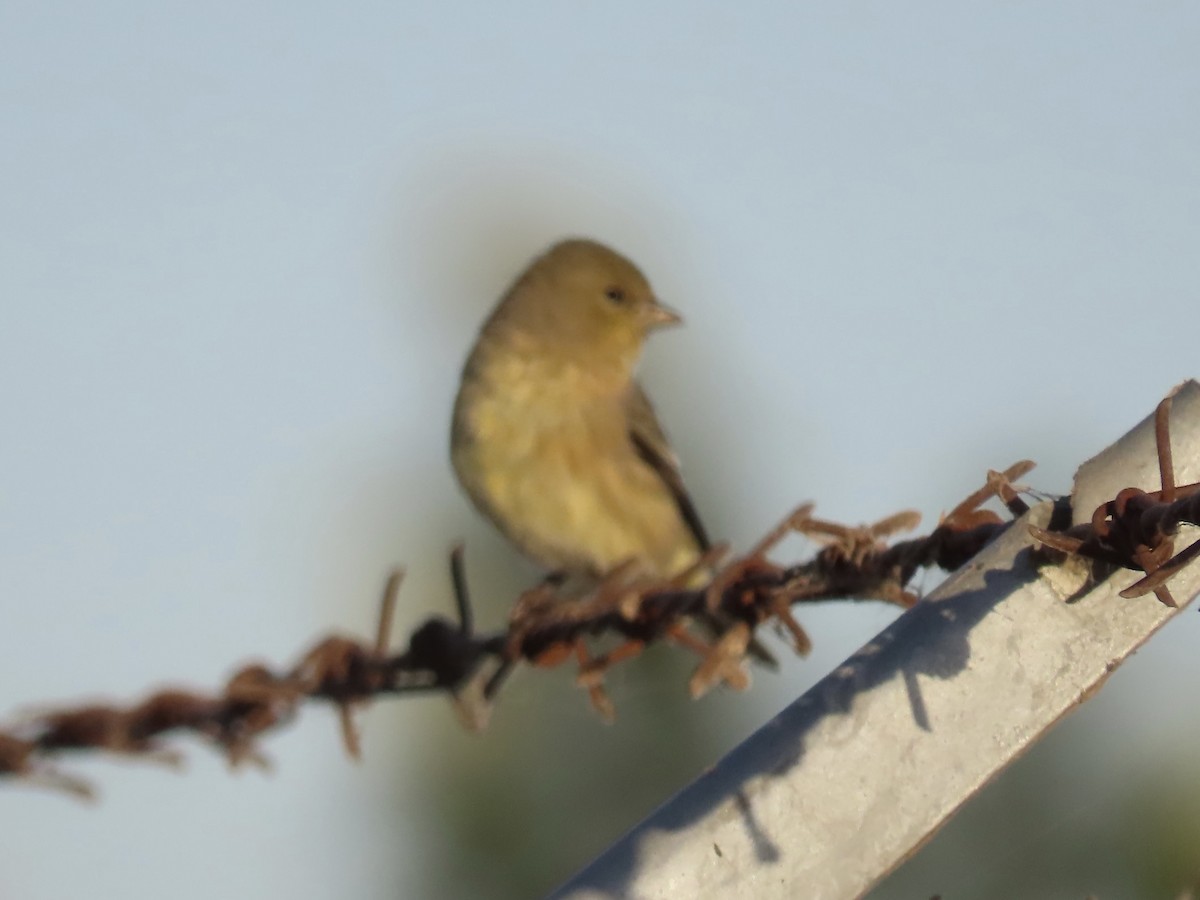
{"type": "Point", "coordinates": [612, 623]}
{"type": "Point", "coordinates": [1137, 529]}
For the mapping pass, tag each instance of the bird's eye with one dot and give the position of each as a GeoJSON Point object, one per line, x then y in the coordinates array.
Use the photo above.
{"type": "Point", "coordinates": [615, 294]}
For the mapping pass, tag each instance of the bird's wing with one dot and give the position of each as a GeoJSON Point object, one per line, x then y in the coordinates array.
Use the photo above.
{"type": "Point", "coordinates": [651, 443]}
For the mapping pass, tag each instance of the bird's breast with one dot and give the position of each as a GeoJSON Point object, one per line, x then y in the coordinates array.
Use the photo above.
{"type": "Point", "coordinates": [547, 456]}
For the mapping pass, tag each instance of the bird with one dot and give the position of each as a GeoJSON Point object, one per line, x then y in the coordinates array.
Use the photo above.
{"type": "Point", "coordinates": [553, 438]}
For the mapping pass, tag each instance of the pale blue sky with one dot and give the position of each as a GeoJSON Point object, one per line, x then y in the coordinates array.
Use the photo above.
{"type": "Point", "coordinates": [243, 253]}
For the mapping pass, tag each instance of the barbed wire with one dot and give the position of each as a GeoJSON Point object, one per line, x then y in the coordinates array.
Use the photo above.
{"type": "Point", "coordinates": [1137, 529]}
{"type": "Point", "coordinates": [625, 613]}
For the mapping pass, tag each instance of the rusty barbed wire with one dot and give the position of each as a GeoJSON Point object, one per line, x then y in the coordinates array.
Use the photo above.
{"type": "Point", "coordinates": [547, 628]}
{"type": "Point", "coordinates": [1137, 529]}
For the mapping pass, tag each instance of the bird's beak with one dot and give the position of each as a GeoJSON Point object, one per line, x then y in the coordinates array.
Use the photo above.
{"type": "Point", "coordinates": [660, 316]}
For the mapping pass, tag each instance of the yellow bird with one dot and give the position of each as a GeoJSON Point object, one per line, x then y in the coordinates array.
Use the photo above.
{"type": "Point", "coordinates": [553, 438]}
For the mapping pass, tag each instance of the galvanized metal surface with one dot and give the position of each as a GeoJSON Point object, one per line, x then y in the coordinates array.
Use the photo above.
{"type": "Point", "coordinates": [844, 784]}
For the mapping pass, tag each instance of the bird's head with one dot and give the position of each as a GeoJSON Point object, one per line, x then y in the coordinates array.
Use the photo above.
{"type": "Point", "coordinates": [588, 303]}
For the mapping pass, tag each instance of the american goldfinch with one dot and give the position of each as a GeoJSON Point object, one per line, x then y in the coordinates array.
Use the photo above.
{"type": "Point", "coordinates": [553, 438]}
